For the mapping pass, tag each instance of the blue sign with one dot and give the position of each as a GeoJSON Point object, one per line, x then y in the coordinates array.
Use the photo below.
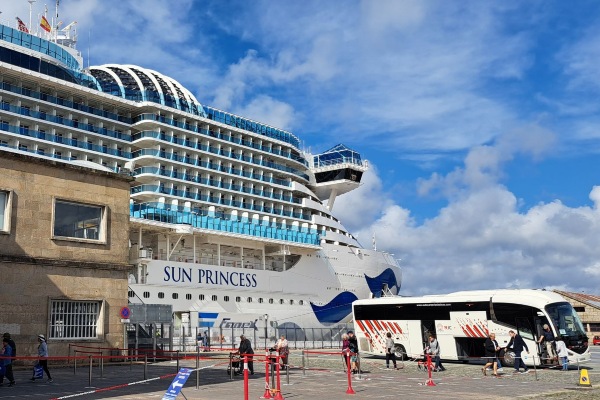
{"type": "Point", "coordinates": [178, 382]}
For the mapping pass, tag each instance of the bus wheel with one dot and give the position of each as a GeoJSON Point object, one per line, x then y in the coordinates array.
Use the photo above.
{"type": "Point", "coordinates": [508, 358]}
{"type": "Point", "coordinates": [400, 352]}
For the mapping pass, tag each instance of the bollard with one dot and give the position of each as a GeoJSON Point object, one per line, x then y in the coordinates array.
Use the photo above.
{"type": "Point", "coordinates": [348, 370]}
{"type": "Point", "coordinates": [101, 366]}
{"type": "Point", "coordinates": [303, 368]}
{"type": "Point", "coordinates": [231, 366]}
{"type": "Point", "coordinates": [429, 381]}
{"type": "Point", "coordinates": [278, 395]}
{"type": "Point", "coordinates": [145, 365]}
{"type": "Point", "coordinates": [177, 355]}
{"type": "Point", "coordinates": [75, 363]}
{"type": "Point", "coordinates": [246, 394]}
{"type": "Point", "coordinates": [90, 374]}
{"type": "Point", "coordinates": [267, 394]}
{"type": "Point", "coordinates": [287, 373]}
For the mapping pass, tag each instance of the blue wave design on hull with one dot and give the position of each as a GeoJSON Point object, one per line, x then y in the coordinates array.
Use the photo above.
{"type": "Point", "coordinates": [386, 277]}
{"type": "Point", "coordinates": [336, 310]}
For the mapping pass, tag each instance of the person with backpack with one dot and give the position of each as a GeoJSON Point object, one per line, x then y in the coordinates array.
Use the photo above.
{"type": "Point", "coordinates": [353, 346]}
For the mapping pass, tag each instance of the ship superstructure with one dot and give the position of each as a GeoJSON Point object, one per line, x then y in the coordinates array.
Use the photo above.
{"type": "Point", "coordinates": [230, 219]}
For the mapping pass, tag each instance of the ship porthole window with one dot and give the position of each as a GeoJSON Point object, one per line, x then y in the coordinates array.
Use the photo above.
{"type": "Point", "coordinates": [270, 301]}
{"type": "Point", "coordinates": [301, 302]}
{"type": "Point", "coordinates": [249, 299]}
{"type": "Point", "coordinates": [281, 301]}
{"type": "Point", "coordinates": [214, 298]}
{"type": "Point", "coordinates": [238, 299]}
{"type": "Point", "coordinates": [226, 298]}
{"type": "Point", "coordinates": [146, 295]}
{"type": "Point", "coordinates": [291, 301]}
{"type": "Point", "coordinates": [188, 296]}
{"type": "Point", "coordinates": [175, 296]}
{"type": "Point", "coordinates": [130, 294]}
{"type": "Point", "coordinates": [201, 297]}
{"type": "Point", "coordinates": [161, 295]}
{"type": "Point", "coordinates": [260, 299]}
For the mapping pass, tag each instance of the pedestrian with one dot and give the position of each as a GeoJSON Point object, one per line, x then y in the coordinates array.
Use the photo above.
{"type": "Point", "coordinates": [345, 350]}
{"type": "Point", "coordinates": [434, 350]}
{"type": "Point", "coordinates": [518, 344]}
{"type": "Point", "coordinates": [547, 338]}
{"type": "Point", "coordinates": [282, 347]}
{"type": "Point", "coordinates": [561, 349]}
{"type": "Point", "coordinates": [7, 352]}
{"type": "Point", "coordinates": [206, 341]}
{"type": "Point", "coordinates": [200, 341]}
{"type": "Point", "coordinates": [246, 349]}
{"type": "Point", "coordinates": [353, 346]}
{"type": "Point", "coordinates": [389, 354]}
{"type": "Point", "coordinates": [11, 343]}
{"type": "Point", "coordinates": [491, 354]}
{"type": "Point", "coordinates": [43, 354]}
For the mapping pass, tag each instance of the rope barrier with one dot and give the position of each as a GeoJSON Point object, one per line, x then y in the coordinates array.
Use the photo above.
{"type": "Point", "coordinates": [124, 385]}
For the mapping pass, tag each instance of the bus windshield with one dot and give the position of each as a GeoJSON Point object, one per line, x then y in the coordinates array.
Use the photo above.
{"type": "Point", "coordinates": [565, 319]}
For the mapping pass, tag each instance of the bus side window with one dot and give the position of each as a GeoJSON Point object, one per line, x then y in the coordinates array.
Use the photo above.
{"type": "Point", "coordinates": [524, 328]}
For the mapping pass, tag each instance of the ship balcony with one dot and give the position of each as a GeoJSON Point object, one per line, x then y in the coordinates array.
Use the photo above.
{"type": "Point", "coordinates": [243, 226]}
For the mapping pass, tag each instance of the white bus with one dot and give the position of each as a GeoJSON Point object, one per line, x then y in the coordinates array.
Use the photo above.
{"type": "Point", "coordinates": [461, 322]}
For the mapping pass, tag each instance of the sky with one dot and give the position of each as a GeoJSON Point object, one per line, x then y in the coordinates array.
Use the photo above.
{"type": "Point", "coordinates": [479, 120]}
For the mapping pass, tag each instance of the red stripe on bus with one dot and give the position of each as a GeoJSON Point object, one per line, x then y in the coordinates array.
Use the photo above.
{"type": "Point", "coordinates": [398, 326]}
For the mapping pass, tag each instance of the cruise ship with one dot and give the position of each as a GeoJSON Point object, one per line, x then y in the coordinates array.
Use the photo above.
{"type": "Point", "coordinates": [231, 220]}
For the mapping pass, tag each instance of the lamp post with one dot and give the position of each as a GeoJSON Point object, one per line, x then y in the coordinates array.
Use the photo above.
{"type": "Point", "coordinates": [266, 316]}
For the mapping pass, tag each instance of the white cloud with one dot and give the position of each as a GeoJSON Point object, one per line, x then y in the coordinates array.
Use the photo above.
{"type": "Point", "coordinates": [481, 239]}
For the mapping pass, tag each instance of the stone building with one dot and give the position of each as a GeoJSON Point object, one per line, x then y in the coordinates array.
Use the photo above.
{"type": "Point", "coordinates": [64, 234]}
{"type": "Point", "coordinates": [588, 309]}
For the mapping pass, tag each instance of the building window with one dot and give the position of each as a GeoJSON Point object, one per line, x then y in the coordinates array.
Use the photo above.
{"type": "Point", "coordinates": [131, 294]}
{"type": "Point", "coordinates": [291, 302]}
{"type": "Point", "coordinates": [301, 302]}
{"type": "Point", "coordinates": [5, 207]}
{"type": "Point", "coordinates": [270, 301]}
{"type": "Point", "coordinates": [579, 309]}
{"type": "Point", "coordinates": [260, 299]}
{"type": "Point", "coordinates": [249, 299]}
{"type": "Point", "coordinates": [81, 221]}
{"type": "Point", "coordinates": [281, 301]}
{"type": "Point", "coordinates": [75, 319]}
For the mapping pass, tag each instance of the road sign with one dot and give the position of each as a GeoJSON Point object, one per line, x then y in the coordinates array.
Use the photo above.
{"type": "Point", "coordinates": [125, 313]}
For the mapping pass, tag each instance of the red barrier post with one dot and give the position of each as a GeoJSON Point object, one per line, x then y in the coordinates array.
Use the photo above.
{"type": "Point", "coordinates": [267, 394]}
{"type": "Point", "coordinates": [349, 390]}
{"type": "Point", "coordinates": [246, 394]}
{"type": "Point", "coordinates": [430, 381]}
{"type": "Point", "coordinates": [278, 395]}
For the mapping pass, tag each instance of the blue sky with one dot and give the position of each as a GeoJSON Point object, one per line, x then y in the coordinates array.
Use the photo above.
{"type": "Point", "coordinates": [479, 119]}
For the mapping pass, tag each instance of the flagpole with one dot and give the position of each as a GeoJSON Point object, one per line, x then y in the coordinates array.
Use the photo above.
{"type": "Point", "coordinates": [30, 10]}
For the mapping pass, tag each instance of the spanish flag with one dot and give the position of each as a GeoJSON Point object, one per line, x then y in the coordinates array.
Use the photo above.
{"type": "Point", "coordinates": [45, 25]}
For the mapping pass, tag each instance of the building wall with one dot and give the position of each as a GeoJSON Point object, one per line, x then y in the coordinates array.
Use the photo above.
{"type": "Point", "coordinates": [36, 268]}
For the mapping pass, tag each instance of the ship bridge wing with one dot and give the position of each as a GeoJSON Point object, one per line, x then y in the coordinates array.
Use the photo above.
{"type": "Point", "coordinates": [337, 171]}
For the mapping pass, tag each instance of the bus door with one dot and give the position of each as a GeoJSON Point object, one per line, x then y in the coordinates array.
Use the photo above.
{"type": "Point", "coordinates": [427, 328]}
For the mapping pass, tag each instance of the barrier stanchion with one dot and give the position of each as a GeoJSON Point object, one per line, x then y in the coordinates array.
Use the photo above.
{"type": "Point", "coordinates": [246, 394]}
{"type": "Point", "coordinates": [75, 362]}
{"type": "Point", "coordinates": [278, 395]}
{"type": "Point", "coordinates": [349, 372]}
{"type": "Point", "coordinates": [267, 394]}
{"type": "Point", "coordinates": [90, 374]}
{"type": "Point", "coordinates": [145, 365]}
{"type": "Point", "coordinates": [198, 369]}
{"type": "Point", "coordinates": [303, 367]}
{"type": "Point", "coordinates": [429, 381]}
{"type": "Point", "coordinates": [101, 366]}
{"type": "Point", "coordinates": [230, 366]}
{"type": "Point", "coordinates": [177, 355]}
{"type": "Point", "coordinates": [287, 373]}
